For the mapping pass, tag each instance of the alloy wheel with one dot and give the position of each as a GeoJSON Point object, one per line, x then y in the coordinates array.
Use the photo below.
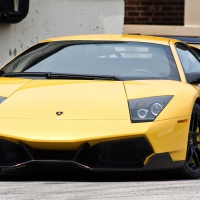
{"type": "Point", "coordinates": [193, 151]}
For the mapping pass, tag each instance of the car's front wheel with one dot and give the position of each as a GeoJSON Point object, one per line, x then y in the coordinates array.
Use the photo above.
{"type": "Point", "coordinates": [191, 168]}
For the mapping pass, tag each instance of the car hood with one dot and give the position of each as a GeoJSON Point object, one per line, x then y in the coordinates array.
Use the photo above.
{"type": "Point", "coordinates": [86, 99]}
{"type": "Point", "coordinates": [65, 99]}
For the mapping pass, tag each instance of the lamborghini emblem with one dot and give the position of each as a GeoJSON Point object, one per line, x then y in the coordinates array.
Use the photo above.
{"type": "Point", "coordinates": [59, 113]}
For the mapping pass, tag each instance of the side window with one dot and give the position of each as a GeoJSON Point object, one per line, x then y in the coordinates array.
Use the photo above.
{"type": "Point", "coordinates": [189, 62]}
{"type": "Point", "coordinates": [197, 50]}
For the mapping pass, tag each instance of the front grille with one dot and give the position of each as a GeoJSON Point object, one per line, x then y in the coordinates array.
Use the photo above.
{"type": "Point", "coordinates": [118, 154]}
{"type": "Point", "coordinates": [129, 153]}
{"type": "Point", "coordinates": [11, 153]}
{"type": "Point", "coordinates": [54, 154]}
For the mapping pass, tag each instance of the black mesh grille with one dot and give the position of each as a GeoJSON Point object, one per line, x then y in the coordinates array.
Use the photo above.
{"type": "Point", "coordinates": [54, 154]}
{"type": "Point", "coordinates": [11, 153]}
{"type": "Point", "coordinates": [129, 153]}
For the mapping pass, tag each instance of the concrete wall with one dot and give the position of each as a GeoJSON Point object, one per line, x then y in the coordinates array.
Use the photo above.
{"type": "Point", "coordinates": [192, 14]}
{"type": "Point", "coordinates": [50, 18]}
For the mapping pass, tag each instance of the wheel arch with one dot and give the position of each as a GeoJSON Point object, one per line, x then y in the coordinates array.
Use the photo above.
{"type": "Point", "coordinates": [182, 103]}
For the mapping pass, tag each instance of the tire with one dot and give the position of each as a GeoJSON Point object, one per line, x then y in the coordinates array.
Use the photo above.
{"type": "Point", "coordinates": [191, 168]}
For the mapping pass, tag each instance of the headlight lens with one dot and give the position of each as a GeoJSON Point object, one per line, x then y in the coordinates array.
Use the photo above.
{"type": "Point", "coordinates": [156, 108]}
{"type": "Point", "coordinates": [147, 109]}
{"type": "Point", "coordinates": [2, 99]}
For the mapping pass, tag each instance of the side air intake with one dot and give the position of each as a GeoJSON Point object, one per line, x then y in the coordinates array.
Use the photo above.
{"type": "Point", "coordinates": [12, 153]}
{"type": "Point", "coordinates": [129, 153]}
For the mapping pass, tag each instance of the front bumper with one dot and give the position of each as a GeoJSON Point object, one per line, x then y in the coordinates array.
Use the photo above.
{"type": "Point", "coordinates": [120, 155]}
{"type": "Point", "coordinates": [166, 142]}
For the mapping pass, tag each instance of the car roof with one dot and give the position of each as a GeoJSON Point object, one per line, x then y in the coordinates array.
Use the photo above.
{"type": "Point", "coordinates": [113, 37]}
{"type": "Point", "coordinates": [190, 40]}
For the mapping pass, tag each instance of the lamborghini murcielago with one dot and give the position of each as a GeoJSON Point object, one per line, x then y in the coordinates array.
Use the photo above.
{"type": "Point", "coordinates": [103, 103]}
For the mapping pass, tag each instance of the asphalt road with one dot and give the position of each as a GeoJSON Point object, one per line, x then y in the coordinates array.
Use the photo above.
{"type": "Point", "coordinates": [59, 183]}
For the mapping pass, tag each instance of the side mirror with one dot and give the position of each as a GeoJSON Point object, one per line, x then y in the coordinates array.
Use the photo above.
{"type": "Point", "coordinates": [13, 11]}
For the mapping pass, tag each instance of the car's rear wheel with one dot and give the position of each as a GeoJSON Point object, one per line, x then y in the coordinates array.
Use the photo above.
{"type": "Point", "coordinates": [191, 168]}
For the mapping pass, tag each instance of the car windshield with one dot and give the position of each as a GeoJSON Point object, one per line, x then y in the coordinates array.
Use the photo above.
{"type": "Point", "coordinates": [125, 60]}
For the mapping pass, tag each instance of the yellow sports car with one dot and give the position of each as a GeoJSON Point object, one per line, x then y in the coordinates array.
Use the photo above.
{"type": "Point", "coordinates": [103, 102]}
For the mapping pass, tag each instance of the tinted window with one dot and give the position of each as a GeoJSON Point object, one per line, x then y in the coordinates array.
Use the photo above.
{"type": "Point", "coordinates": [126, 60]}
{"type": "Point", "coordinates": [189, 61]}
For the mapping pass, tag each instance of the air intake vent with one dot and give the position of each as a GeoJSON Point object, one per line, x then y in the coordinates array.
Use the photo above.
{"type": "Point", "coordinates": [54, 154]}
{"type": "Point", "coordinates": [11, 153]}
{"type": "Point", "coordinates": [129, 153]}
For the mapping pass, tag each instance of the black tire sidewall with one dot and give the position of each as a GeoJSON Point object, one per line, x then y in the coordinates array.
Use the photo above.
{"type": "Point", "coordinates": [187, 172]}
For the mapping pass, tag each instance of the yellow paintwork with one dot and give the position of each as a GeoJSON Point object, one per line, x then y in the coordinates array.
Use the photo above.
{"type": "Point", "coordinates": [195, 46]}
{"type": "Point", "coordinates": [10, 85]}
{"type": "Point", "coordinates": [85, 118]}
{"type": "Point", "coordinates": [180, 91]}
{"type": "Point", "coordinates": [165, 136]}
{"type": "Point", "coordinates": [75, 99]}
{"type": "Point", "coordinates": [95, 110]}
{"type": "Point", "coordinates": [139, 38]}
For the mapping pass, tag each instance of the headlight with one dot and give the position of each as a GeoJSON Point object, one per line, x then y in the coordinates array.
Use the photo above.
{"type": "Point", "coordinates": [2, 99]}
{"type": "Point", "coordinates": [147, 109]}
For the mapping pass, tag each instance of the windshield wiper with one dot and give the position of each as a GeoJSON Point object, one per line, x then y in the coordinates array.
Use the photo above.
{"type": "Point", "coordinates": [49, 75]}
{"type": "Point", "coordinates": [81, 76]}
{"type": "Point", "coordinates": [26, 74]}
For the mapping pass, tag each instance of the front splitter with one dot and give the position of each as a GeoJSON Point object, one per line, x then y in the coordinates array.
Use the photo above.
{"type": "Point", "coordinates": [161, 161]}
